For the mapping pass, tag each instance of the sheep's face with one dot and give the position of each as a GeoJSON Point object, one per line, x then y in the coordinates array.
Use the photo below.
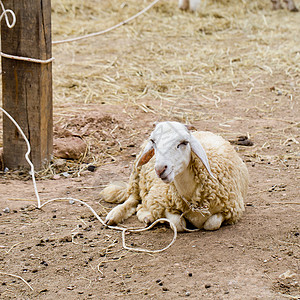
{"type": "Point", "coordinates": [172, 143]}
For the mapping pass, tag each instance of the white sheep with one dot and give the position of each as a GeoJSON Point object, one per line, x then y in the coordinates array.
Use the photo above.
{"type": "Point", "coordinates": [189, 4]}
{"type": "Point", "coordinates": [289, 4]}
{"type": "Point", "coordinates": [194, 4]}
{"type": "Point", "coordinates": [182, 176]}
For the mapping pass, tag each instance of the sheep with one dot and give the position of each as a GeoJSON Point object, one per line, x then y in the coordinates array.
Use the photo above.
{"type": "Point", "coordinates": [182, 176]}
{"type": "Point", "coordinates": [289, 4]}
{"type": "Point", "coordinates": [194, 4]}
{"type": "Point", "coordinates": [189, 4]}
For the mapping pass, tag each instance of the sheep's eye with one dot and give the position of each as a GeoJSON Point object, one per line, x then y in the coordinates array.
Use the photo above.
{"type": "Point", "coordinates": [183, 143]}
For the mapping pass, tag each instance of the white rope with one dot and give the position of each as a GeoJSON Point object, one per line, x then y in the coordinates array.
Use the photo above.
{"type": "Point", "coordinates": [11, 25]}
{"type": "Point", "coordinates": [106, 30]}
{"type": "Point", "coordinates": [173, 227]}
{"type": "Point", "coordinates": [26, 155]}
{"type": "Point", "coordinates": [4, 14]}
{"type": "Point", "coordinates": [35, 60]}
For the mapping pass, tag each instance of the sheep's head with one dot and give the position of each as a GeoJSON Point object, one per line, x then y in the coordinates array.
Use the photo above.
{"type": "Point", "coordinates": [172, 143]}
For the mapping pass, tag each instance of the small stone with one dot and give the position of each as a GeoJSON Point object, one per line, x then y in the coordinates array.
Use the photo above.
{"type": "Point", "coordinates": [66, 239]}
{"type": "Point", "coordinates": [187, 293]}
{"type": "Point", "coordinates": [208, 285]}
{"type": "Point", "coordinates": [165, 289]}
{"type": "Point", "coordinates": [6, 210]}
{"type": "Point", "coordinates": [71, 201]}
{"type": "Point", "coordinates": [91, 168]}
{"type": "Point", "coordinates": [190, 274]}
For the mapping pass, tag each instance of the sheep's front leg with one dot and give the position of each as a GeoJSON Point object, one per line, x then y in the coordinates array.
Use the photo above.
{"type": "Point", "coordinates": [144, 216]}
{"type": "Point", "coordinates": [177, 220]}
{"type": "Point", "coordinates": [214, 222]}
{"type": "Point", "coordinates": [291, 5]}
{"type": "Point", "coordinates": [122, 211]}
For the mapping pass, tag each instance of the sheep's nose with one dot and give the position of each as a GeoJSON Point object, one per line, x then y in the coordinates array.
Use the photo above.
{"type": "Point", "coordinates": [160, 170]}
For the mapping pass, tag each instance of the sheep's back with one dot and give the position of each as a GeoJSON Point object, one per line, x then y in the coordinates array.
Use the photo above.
{"type": "Point", "coordinates": [231, 172]}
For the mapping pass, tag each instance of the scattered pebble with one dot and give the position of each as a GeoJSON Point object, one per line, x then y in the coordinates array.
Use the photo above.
{"type": "Point", "coordinates": [66, 239]}
{"type": "Point", "coordinates": [190, 274]}
{"type": "Point", "coordinates": [6, 210]}
{"type": "Point", "coordinates": [187, 293]}
{"type": "Point", "coordinates": [71, 201]}
{"type": "Point", "coordinates": [208, 285]}
{"type": "Point", "coordinates": [91, 168]}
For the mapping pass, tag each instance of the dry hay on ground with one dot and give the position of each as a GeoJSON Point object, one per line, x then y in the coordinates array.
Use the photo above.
{"type": "Point", "coordinates": [172, 65]}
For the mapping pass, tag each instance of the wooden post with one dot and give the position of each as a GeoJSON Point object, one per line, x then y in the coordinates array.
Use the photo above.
{"type": "Point", "coordinates": [27, 86]}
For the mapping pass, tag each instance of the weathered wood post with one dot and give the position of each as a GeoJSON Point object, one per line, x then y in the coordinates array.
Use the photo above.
{"type": "Point", "coordinates": [27, 86]}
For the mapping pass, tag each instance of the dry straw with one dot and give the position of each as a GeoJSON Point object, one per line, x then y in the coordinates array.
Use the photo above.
{"type": "Point", "coordinates": [172, 64]}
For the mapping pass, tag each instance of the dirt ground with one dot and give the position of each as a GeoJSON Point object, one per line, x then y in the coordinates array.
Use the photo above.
{"type": "Point", "coordinates": [232, 68]}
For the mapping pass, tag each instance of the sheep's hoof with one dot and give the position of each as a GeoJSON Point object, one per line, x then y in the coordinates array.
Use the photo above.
{"type": "Point", "coordinates": [145, 217]}
{"type": "Point", "coordinates": [113, 217]}
{"type": "Point", "coordinates": [147, 221]}
{"type": "Point", "coordinates": [214, 222]}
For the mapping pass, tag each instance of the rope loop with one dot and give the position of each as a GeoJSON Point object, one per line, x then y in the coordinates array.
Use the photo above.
{"type": "Point", "coordinates": [5, 14]}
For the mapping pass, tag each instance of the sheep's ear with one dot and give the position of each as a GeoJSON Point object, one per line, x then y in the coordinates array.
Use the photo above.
{"type": "Point", "coordinates": [190, 127]}
{"type": "Point", "coordinates": [200, 152]}
{"type": "Point", "coordinates": [147, 155]}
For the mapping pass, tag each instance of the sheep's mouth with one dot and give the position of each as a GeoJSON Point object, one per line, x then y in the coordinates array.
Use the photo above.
{"type": "Point", "coordinates": [167, 178]}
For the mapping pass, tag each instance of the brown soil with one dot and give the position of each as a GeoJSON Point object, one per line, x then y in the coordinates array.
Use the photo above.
{"type": "Point", "coordinates": [63, 252]}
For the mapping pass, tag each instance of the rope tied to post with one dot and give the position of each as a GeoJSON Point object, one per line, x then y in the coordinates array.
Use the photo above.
{"type": "Point", "coordinates": [9, 24]}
